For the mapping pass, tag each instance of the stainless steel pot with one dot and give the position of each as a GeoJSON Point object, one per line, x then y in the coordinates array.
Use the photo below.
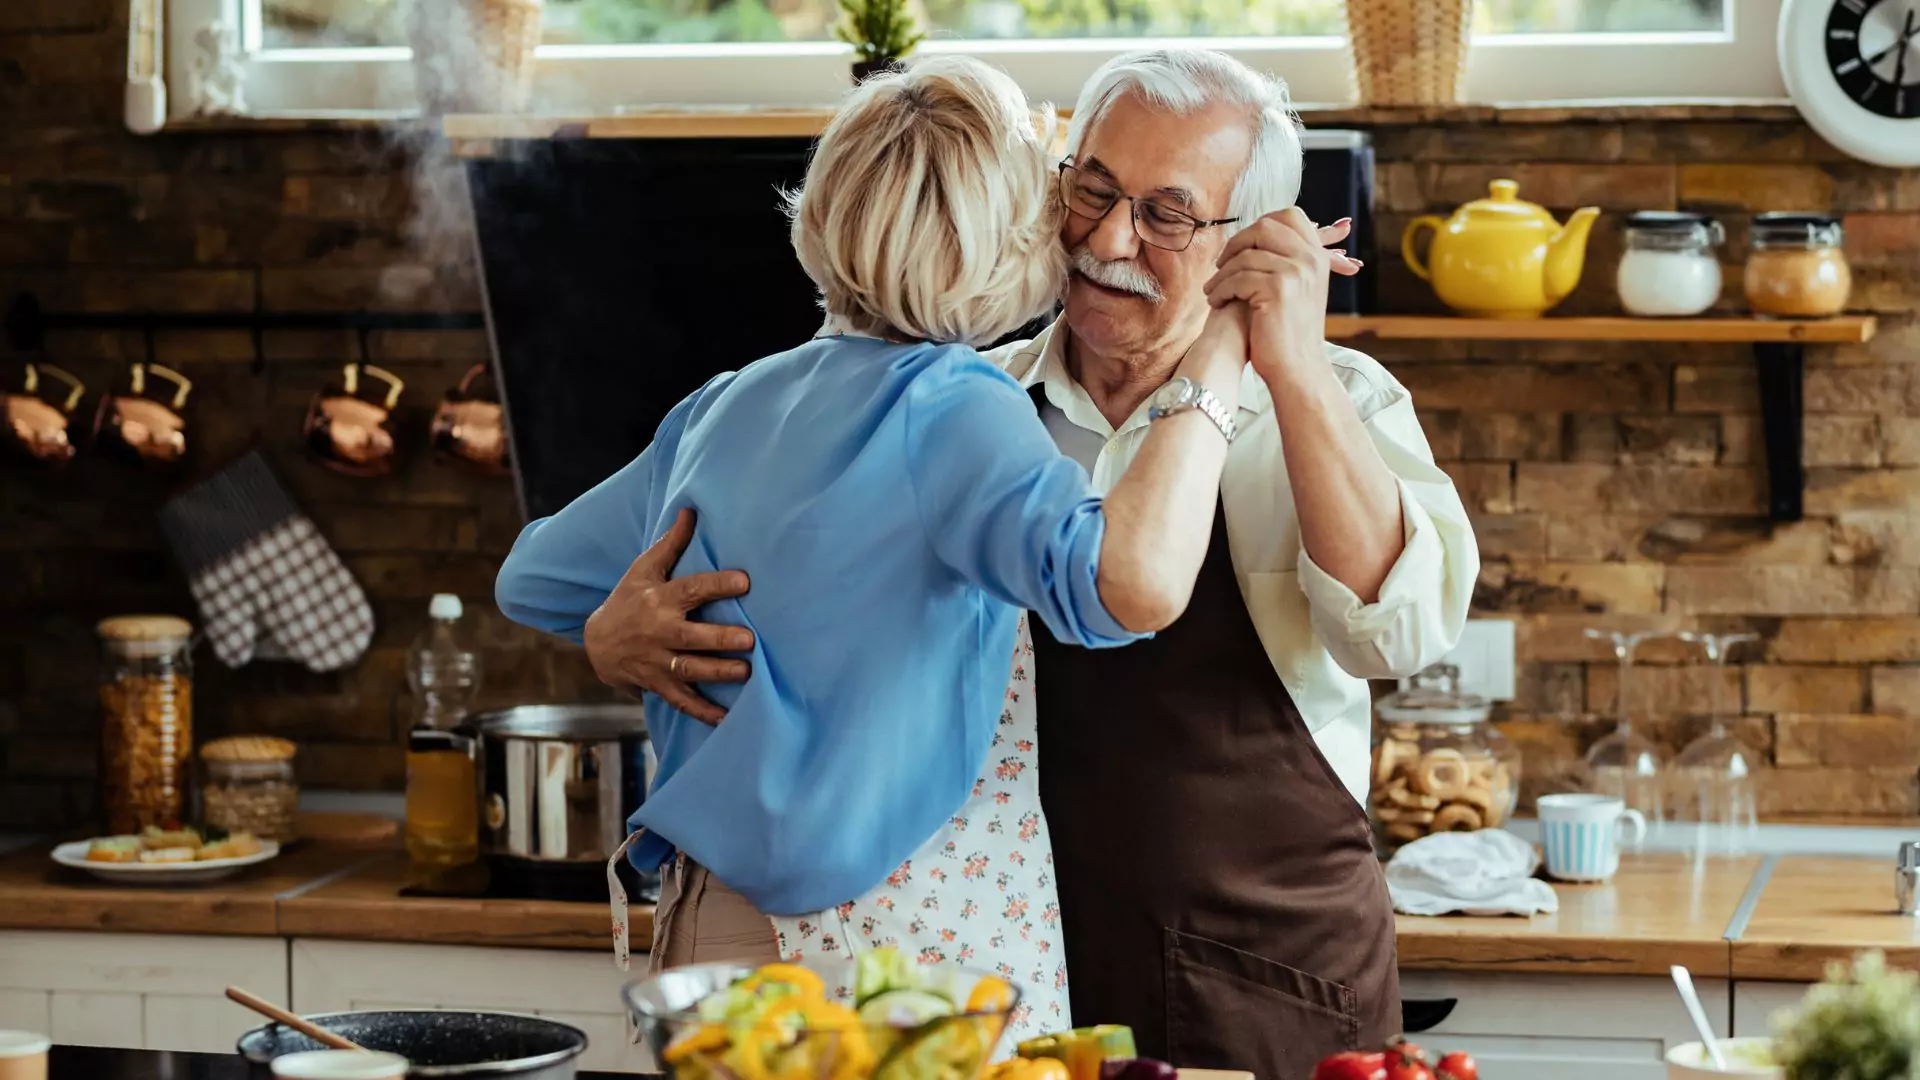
{"type": "Point", "coordinates": [558, 782]}
{"type": "Point", "coordinates": [440, 1044]}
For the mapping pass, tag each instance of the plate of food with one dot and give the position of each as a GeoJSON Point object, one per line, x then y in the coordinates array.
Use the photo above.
{"type": "Point", "coordinates": [159, 856]}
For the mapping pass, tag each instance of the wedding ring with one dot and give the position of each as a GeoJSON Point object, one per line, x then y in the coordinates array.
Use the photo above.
{"type": "Point", "coordinates": [673, 666]}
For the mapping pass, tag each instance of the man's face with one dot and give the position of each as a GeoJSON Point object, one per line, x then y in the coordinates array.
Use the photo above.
{"type": "Point", "coordinates": [1189, 162]}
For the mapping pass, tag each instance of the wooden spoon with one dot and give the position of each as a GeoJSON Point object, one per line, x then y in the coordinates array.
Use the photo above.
{"type": "Point", "coordinates": [274, 1012]}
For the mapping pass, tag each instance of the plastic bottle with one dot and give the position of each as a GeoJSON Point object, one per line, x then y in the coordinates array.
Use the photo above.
{"type": "Point", "coordinates": [442, 819]}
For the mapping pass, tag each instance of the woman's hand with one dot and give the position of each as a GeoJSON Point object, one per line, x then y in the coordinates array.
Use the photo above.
{"type": "Point", "coordinates": [641, 639]}
{"type": "Point", "coordinates": [1280, 268]}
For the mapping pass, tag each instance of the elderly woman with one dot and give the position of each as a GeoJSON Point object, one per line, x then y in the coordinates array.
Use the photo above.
{"type": "Point", "coordinates": [883, 484]}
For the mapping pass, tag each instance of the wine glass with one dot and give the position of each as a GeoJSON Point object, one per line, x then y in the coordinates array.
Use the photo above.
{"type": "Point", "coordinates": [1625, 763]}
{"type": "Point", "coordinates": [1715, 775]}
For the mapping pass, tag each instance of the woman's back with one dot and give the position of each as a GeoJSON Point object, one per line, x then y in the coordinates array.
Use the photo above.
{"type": "Point", "coordinates": [894, 506]}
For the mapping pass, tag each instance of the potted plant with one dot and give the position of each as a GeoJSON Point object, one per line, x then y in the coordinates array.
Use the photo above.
{"type": "Point", "coordinates": [1862, 1023]}
{"type": "Point", "coordinates": [882, 32]}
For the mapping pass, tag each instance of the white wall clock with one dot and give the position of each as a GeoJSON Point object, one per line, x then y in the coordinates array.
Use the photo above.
{"type": "Point", "coordinates": [1853, 69]}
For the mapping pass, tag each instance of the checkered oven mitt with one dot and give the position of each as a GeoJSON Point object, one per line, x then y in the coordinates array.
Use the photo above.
{"type": "Point", "coordinates": [266, 581]}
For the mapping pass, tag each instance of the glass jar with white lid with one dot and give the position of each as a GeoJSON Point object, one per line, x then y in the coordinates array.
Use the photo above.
{"type": "Point", "coordinates": [1672, 265]}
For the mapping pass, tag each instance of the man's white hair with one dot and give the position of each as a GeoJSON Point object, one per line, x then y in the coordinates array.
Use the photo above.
{"type": "Point", "coordinates": [1186, 80]}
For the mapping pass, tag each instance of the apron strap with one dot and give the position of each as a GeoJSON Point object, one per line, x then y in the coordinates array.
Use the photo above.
{"type": "Point", "coordinates": [617, 900]}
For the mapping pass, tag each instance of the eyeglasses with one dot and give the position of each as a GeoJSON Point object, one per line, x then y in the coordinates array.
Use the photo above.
{"type": "Point", "coordinates": [1086, 195]}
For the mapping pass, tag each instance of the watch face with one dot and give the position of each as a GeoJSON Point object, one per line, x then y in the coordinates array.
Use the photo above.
{"type": "Point", "coordinates": [1873, 51]}
{"type": "Point", "coordinates": [1174, 392]}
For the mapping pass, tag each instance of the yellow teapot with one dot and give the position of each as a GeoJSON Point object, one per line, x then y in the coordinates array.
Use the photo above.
{"type": "Point", "coordinates": [1501, 257]}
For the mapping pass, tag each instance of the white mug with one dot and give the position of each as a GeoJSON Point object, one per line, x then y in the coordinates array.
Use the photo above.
{"type": "Point", "coordinates": [1581, 834]}
{"type": "Point", "coordinates": [340, 1065]}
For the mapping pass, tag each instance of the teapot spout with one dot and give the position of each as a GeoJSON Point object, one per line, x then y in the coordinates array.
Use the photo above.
{"type": "Point", "coordinates": [1567, 254]}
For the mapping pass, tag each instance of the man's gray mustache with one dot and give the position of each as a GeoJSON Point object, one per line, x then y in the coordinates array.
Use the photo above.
{"type": "Point", "coordinates": [1124, 276]}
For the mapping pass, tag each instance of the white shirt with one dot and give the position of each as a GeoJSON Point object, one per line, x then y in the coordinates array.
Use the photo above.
{"type": "Point", "coordinates": [1323, 641]}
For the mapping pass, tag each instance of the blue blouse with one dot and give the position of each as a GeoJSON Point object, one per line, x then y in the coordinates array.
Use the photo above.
{"type": "Point", "coordinates": [896, 507]}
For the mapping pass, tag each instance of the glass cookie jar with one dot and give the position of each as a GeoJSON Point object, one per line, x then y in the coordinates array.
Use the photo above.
{"type": "Point", "coordinates": [1438, 765]}
{"type": "Point", "coordinates": [248, 785]}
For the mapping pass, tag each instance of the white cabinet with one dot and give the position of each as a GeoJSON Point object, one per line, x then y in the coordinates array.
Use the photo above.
{"type": "Point", "coordinates": [1754, 1004]}
{"type": "Point", "coordinates": [140, 991]}
{"type": "Point", "coordinates": [1569, 1027]}
{"type": "Point", "coordinates": [578, 988]}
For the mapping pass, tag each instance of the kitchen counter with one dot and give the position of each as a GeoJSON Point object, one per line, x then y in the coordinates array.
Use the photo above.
{"type": "Point", "coordinates": [37, 894]}
{"type": "Point", "coordinates": [1817, 910]}
{"type": "Point", "coordinates": [366, 905]}
{"type": "Point", "coordinates": [314, 890]}
{"type": "Point", "coordinates": [1779, 917]}
{"type": "Point", "coordinates": [1656, 912]}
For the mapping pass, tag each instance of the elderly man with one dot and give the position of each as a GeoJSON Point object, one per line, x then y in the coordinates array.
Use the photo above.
{"type": "Point", "coordinates": [1205, 788]}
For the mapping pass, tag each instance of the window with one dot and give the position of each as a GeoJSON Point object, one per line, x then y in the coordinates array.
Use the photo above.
{"type": "Point", "coordinates": [308, 55]}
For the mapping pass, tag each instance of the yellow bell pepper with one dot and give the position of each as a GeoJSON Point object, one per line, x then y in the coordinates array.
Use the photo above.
{"type": "Point", "coordinates": [1082, 1049]}
{"type": "Point", "coordinates": [990, 994]}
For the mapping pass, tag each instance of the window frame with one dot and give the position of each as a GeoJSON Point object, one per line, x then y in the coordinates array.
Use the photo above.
{"type": "Point", "coordinates": [1738, 63]}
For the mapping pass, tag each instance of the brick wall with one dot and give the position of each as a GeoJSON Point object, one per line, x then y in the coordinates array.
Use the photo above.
{"type": "Point", "coordinates": [93, 218]}
{"type": "Point", "coordinates": [1613, 485]}
{"type": "Point", "coordinates": [1623, 485]}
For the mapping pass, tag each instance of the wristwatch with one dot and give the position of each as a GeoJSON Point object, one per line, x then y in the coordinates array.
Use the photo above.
{"type": "Point", "coordinates": [1181, 394]}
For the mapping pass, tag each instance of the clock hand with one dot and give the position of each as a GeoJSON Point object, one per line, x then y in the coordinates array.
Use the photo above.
{"type": "Point", "coordinates": [1900, 65]}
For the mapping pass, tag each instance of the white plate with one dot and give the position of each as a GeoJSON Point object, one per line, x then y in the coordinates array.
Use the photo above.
{"type": "Point", "coordinates": [74, 855]}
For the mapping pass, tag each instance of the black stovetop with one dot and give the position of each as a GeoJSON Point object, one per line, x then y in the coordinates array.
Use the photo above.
{"type": "Point", "coordinates": [89, 1063]}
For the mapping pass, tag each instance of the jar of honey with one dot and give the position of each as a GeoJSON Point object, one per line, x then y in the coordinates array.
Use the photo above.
{"type": "Point", "coordinates": [146, 735]}
{"type": "Point", "coordinates": [1795, 268]}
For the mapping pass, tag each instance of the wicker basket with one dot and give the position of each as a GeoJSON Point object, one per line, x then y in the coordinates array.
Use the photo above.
{"type": "Point", "coordinates": [473, 55]}
{"type": "Point", "coordinates": [1409, 52]}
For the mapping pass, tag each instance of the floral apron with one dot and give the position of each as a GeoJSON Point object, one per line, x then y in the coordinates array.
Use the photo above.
{"type": "Point", "coordinates": [981, 891]}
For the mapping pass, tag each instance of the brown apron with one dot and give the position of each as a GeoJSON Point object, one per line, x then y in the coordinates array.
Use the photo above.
{"type": "Point", "coordinates": [1218, 885]}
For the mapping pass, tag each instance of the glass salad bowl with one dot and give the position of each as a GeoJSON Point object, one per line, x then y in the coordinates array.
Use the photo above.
{"type": "Point", "coordinates": [876, 1017]}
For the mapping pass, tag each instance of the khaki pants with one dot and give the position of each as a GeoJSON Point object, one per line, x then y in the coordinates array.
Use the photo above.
{"type": "Point", "coordinates": [701, 921]}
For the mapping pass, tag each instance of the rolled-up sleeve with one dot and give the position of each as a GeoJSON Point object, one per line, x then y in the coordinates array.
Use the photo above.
{"type": "Point", "coordinates": [1001, 505]}
{"type": "Point", "coordinates": [1423, 603]}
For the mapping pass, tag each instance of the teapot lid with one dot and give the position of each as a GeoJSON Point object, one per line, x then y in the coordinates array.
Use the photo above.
{"type": "Point", "coordinates": [1433, 697]}
{"type": "Point", "coordinates": [1503, 204]}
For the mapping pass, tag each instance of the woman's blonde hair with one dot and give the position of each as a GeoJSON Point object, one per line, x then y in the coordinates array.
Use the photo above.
{"type": "Point", "coordinates": [929, 210]}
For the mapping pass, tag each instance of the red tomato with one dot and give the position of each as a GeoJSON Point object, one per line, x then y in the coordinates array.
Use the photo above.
{"type": "Point", "coordinates": [1400, 1044]}
{"type": "Point", "coordinates": [1352, 1065]}
{"type": "Point", "coordinates": [1458, 1066]}
{"type": "Point", "coordinates": [1406, 1062]}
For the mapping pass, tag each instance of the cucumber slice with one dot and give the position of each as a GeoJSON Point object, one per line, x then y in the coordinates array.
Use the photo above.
{"type": "Point", "coordinates": [905, 1008]}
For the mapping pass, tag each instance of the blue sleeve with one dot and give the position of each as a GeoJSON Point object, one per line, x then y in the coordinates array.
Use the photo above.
{"type": "Point", "coordinates": [563, 567]}
{"type": "Point", "coordinates": [1002, 506]}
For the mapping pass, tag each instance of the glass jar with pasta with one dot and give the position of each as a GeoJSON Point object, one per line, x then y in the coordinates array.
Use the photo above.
{"type": "Point", "coordinates": [146, 736]}
{"type": "Point", "coordinates": [1438, 765]}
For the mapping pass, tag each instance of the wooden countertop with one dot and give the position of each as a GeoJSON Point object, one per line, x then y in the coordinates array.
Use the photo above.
{"type": "Point", "coordinates": [1817, 910]}
{"type": "Point", "coordinates": [314, 890]}
{"type": "Point", "coordinates": [1656, 912]}
{"type": "Point", "coordinates": [37, 894]}
{"type": "Point", "coordinates": [1799, 913]}
{"type": "Point", "coordinates": [366, 905]}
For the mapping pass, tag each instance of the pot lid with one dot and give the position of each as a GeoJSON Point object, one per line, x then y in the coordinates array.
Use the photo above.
{"type": "Point", "coordinates": [1666, 220]}
{"type": "Point", "coordinates": [1503, 206]}
{"type": "Point", "coordinates": [1433, 697]}
{"type": "Point", "coordinates": [571, 723]}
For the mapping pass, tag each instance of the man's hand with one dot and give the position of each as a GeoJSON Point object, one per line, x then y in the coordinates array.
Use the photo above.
{"type": "Point", "coordinates": [640, 637]}
{"type": "Point", "coordinates": [1280, 266]}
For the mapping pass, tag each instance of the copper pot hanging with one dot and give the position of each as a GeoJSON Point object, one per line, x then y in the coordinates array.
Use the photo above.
{"type": "Point", "coordinates": [35, 427]}
{"type": "Point", "coordinates": [138, 426]}
{"type": "Point", "coordinates": [349, 433]}
{"type": "Point", "coordinates": [472, 426]}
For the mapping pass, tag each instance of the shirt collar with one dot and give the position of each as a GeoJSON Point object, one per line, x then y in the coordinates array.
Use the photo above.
{"type": "Point", "coordinates": [1063, 393]}
{"type": "Point", "coordinates": [841, 326]}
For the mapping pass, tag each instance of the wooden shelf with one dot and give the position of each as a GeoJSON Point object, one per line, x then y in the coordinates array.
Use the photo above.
{"type": "Point", "coordinates": [1843, 329]}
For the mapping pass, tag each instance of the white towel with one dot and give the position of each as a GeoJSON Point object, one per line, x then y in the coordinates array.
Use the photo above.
{"type": "Point", "coordinates": [1489, 872]}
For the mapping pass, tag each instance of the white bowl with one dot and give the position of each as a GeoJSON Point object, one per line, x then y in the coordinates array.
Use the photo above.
{"type": "Point", "coordinates": [1689, 1061]}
